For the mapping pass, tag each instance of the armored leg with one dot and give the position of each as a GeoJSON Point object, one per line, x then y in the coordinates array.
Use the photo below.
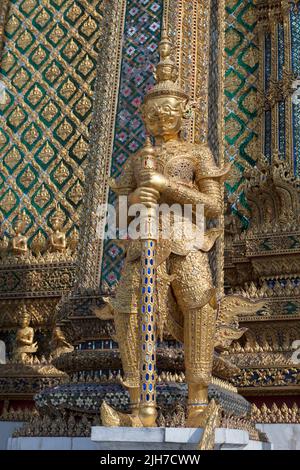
{"type": "Point", "coordinates": [126, 319]}
{"type": "Point", "coordinates": [127, 330]}
{"type": "Point", "coordinates": [193, 288]}
{"type": "Point", "coordinates": [199, 331]}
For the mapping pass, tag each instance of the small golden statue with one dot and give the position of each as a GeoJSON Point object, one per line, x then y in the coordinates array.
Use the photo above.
{"type": "Point", "coordinates": [19, 245]}
{"type": "Point", "coordinates": [24, 344]}
{"type": "Point", "coordinates": [57, 240]}
{"type": "Point", "coordinates": [184, 173]}
{"type": "Point", "coordinates": [59, 344]}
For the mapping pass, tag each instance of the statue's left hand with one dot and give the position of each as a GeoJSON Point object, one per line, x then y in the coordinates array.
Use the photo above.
{"type": "Point", "coordinates": [153, 180]}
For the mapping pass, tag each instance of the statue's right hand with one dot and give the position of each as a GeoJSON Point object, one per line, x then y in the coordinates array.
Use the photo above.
{"type": "Point", "coordinates": [144, 195]}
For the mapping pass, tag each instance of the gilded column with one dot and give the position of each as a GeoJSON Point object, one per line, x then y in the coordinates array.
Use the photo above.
{"type": "Point", "coordinates": [261, 28]}
{"type": "Point", "coordinates": [273, 92]}
{"type": "Point", "coordinates": [189, 24]}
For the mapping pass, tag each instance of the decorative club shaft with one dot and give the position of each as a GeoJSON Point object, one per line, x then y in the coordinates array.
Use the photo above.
{"type": "Point", "coordinates": [148, 412]}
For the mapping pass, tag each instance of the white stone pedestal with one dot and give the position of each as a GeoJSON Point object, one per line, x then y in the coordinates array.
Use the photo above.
{"type": "Point", "coordinates": [283, 436]}
{"type": "Point", "coordinates": [103, 438]}
{"type": "Point", "coordinates": [50, 443]}
{"type": "Point", "coordinates": [170, 439]}
{"type": "Point", "coordinates": [6, 430]}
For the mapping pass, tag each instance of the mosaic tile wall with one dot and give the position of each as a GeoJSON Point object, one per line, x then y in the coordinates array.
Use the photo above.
{"type": "Point", "coordinates": [213, 90]}
{"type": "Point", "coordinates": [241, 62]}
{"type": "Point", "coordinates": [141, 37]}
{"type": "Point", "coordinates": [48, 69]}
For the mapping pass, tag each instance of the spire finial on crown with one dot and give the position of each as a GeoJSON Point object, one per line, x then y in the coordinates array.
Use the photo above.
{"type": "Point", "coordinates": [58, 216]}
{"type": "Point", "coordinates": [166, 72]}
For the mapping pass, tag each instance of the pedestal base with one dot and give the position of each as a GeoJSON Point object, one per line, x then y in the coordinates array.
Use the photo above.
{"type": "Point", "coordinates": [124, 438]}
{"type": "Point", "coordinates": [51, 443]}
{"type": "Point", "coordinates": [283, 436]}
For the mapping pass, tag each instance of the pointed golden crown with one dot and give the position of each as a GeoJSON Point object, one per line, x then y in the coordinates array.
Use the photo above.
{"type": "Point", "coordinates": [58, 215]}
{"type": "Point", "coordinates": [166, 72]}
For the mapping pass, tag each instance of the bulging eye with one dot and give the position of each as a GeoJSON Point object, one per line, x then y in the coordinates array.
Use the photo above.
{"type": "Point", "coordinates": [152, 113]}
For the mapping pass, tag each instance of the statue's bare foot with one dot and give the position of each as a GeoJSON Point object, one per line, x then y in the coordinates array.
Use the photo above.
{"type": "Point", "coordinates": [199, 416]}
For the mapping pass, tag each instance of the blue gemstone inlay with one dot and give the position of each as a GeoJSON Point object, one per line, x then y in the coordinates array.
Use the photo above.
{"type": "Point", "coordinates": [149, 327]}
{"type": "Point", "coordinates": [149, 271]}
{"type": "Point", "coordinates": [147, 397]}
{"type": "Point", "coordinates": [149, 308]}
{"type": "Point", "coordinates": [150, 367]}
{"type": "Point", "coordinates": [144, 387]}
{"type": "Point", "coordinates": [149, 289]}
{"type": "Point", "coordinates": [268, 134]}
{"type": "Point", "coordinates": [268, 58]}
{"type": "Point", "coordinates": [150, 387]}
{"type": "Point", "coordinates": [147, 376]}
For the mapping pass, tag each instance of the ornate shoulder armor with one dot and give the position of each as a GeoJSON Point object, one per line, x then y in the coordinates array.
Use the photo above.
{"type": "Point", "coordinates": [206, 166]}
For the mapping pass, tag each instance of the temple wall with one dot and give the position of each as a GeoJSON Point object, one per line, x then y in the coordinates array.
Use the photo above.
{"type": "Point", "coordinates": [48, 68]}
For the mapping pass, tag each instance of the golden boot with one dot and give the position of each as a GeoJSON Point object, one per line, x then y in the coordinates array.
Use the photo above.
{"type": "Point", "coordinates": [199, 332]}
{"type": "Point", "coordinates": [127, 330]}
{"type": "Point", "coordinates": [126, 325]}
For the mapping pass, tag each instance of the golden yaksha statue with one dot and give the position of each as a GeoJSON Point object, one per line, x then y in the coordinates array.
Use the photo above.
{"type": "Point", "coordinates": [24, 346]}
{"type": "Point", "coordinates": [186, 296]}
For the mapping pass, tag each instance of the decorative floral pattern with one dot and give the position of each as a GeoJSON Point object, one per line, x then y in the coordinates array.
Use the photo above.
{"type": "Point", "coordinates": [48, 68]}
